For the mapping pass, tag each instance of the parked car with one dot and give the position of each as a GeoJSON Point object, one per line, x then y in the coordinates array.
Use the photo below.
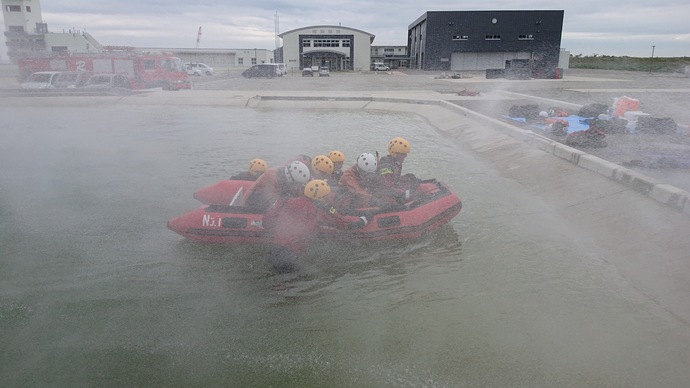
{"type": "Point", "coordinates": [263, 70]}
{"type": "Point", "coordinates": [324, 72]}
{"type": "Point", "coordinates": [41, 80]}
{"type": "Point", "coordinates": [282, 69]}
{"type": "Point", "coordinates": [192, 70]}
{"type": "Point", "coordinates": [307, 72]}
{"type": "Point", "coordinates": [72, 79]}
{"type": "Point", "coordinates": [106, 82]}
{"type": "Point", "coordinates": [203, 68]}
{"type": "Point", "coordinates": [381, 67]}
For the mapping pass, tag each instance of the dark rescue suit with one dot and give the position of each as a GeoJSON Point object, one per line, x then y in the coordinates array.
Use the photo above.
{"type": "Point", "coordinates": [390, 170]}
{"type": "Point", "coordinates": [270, 187]}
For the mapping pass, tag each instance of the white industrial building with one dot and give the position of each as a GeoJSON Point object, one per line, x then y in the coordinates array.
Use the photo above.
{"type": "Point", "coordinates": [337, 47]}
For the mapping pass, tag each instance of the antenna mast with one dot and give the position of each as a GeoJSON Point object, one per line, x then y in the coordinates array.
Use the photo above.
{"type": "Point", "coordinates": [277, 31]}
{"type": "Point", "coordinates": [198, 37]}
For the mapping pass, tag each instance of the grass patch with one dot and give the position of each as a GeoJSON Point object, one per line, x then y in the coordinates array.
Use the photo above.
{"type": "Point", "coordinates": [607, 62]}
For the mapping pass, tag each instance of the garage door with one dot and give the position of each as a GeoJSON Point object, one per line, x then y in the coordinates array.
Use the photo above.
{"type": "Point", "coordinates": [483, 61]}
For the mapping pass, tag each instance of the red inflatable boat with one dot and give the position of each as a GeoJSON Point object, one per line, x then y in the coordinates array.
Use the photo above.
{"type": "Point", "coordinates": [434, 205]}
{"type": "Point", "coordinates": [222, 192]}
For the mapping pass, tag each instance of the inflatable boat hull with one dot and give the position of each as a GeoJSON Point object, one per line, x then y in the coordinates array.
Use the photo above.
{"type": "Point", "coordinates": [434, 206]}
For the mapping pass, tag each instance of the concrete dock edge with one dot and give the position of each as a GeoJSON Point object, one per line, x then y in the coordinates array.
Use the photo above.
{"type": "Point", "coordinates": [660, 192]}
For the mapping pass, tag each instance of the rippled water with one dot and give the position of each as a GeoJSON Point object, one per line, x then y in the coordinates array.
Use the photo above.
{"type": "Point", "coordinates": [94, 290]}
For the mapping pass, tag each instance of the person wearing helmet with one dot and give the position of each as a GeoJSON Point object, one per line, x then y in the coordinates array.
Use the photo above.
{"type": "Point", "coordinates": [306, 159]}
{"type": "Point", "coordinates": [361, 181]}
{"type": "Point", "coordinates": [276, 183]}
{"type": "Point", "coordinates": [390, 166]}
{"type": "Point", "coordinates": [338, 159]}
{"type": "Point", "coordinates": [256, 168]}
{"type": "Point", "coordinates": [322, 167]}
{"type": "Point", "coordinates": [292, 223]}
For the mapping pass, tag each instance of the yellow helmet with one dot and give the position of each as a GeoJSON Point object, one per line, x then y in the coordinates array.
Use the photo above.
{"type": "Point", "coordinates": [317, 189]}
{"type": "Point", "coordinates": [398, 145]}
{"type": "Point", "coordinates": [322, 163]}
{"type": "Point", "coordinates": [257, 165]}
{"type": "Point", "coordinates": [336, 156]}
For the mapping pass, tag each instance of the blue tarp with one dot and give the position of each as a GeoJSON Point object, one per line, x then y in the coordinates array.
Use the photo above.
{"type": "Point", "coordinates": [575, 123]}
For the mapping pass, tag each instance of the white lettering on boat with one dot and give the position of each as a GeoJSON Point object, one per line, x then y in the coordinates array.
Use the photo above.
{"type": "Point", "coordinates": [207, 220]}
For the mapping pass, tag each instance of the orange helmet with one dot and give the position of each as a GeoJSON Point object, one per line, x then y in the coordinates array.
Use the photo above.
{"type": "Point", "coordinates": [398, 145]}
{"type": "Point", "coordinates": [257, 166]}
{"type": "Point", "coordinates": [317, 189]}
{"type": "Point", "coordinates": [336, 156]}
{"type": "Point", "coordinates": [323, 164]}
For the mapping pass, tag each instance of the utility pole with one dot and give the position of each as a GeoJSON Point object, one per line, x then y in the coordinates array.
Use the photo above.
{"type": "Point", "coordinates": [198, 37]}
{"type": "Point", "coordinates": [651, 60]}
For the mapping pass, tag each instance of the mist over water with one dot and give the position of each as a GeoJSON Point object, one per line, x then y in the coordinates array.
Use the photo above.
{"type": "Point", "coordinates": [95, 290]}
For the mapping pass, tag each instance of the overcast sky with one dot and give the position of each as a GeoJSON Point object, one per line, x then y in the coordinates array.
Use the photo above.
{"type": "Point", "coordinates": [614, 27]}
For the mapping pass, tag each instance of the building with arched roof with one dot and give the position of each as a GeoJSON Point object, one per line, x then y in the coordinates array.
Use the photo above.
{"type": "Point", "coordinates": [337, 47]}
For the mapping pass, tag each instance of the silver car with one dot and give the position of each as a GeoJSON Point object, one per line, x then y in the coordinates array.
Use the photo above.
{"type": "Point", "coordinates": [42, 80]}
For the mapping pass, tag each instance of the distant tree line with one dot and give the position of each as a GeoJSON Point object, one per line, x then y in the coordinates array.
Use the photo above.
{"type": "Point", "coordinates": [609, 62]}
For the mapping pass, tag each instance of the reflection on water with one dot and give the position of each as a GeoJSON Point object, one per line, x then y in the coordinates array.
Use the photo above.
{"type": "Point", "coordinates": [95, 290]}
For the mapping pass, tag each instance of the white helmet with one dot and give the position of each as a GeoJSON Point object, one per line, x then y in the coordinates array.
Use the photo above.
{"type": "Point", "coordinates": [297, 172]}
{"type": "Point", "coordinates": [367, 162]}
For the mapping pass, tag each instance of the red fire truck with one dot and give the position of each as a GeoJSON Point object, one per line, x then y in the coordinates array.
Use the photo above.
{"type": "Point", "coordinates": [143, 70]}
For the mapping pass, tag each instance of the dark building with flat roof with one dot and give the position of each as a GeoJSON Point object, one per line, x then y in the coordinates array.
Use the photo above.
{"type": "Point", "coordinates": [480, 40]}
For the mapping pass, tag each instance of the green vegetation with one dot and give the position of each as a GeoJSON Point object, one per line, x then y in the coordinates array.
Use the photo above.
{"type": "Point", "coordinates": [607, 62]}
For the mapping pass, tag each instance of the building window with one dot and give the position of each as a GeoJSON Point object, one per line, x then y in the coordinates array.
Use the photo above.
{"type": "Point", "coordinates": [253, 61]}
{"type": "Point", "coordinates": [240, 61]}
{"type": "Point", "coordinates": [326, 43]}
{"type": "Point", "coordinates": [492, 37]}
{"type": "Point", "coordinates": [388, 49]}
{"type": "Point", "coordinates": [460, 37]}
{"type": "Point", "coordinates": [13, 8]}
{"type": "Point", "coordinates": [28, 8]}
{"type": "Point", "coordinates": [346, 42]}
{"type": "Point", "coordinates": [526, 37]}
{"type": "Point", "coordinates": [306, 43]}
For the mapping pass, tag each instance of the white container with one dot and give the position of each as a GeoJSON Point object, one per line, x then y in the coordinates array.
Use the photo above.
{"type": "Point", "coordinates": [632, 115]}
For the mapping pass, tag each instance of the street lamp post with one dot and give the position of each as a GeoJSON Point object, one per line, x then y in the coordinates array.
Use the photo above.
{"type": "Point", "coordinates": [651, 60]}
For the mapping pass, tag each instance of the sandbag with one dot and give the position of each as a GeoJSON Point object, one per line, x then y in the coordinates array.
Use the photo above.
{"type": "Point", "coordinates": [615, 125]}
{"type": "Point", "coordinates": [593, 110]}
{"type": "Point", "coordinates": [656, 125]}
{"type": "Point", "coordinates": [529, 111]}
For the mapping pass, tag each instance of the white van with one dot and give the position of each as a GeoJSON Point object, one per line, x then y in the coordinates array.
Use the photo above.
{"type": "Point", "coordinates": [281, 69]}
{"type": "Point", "coordinates": [196, 68]}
